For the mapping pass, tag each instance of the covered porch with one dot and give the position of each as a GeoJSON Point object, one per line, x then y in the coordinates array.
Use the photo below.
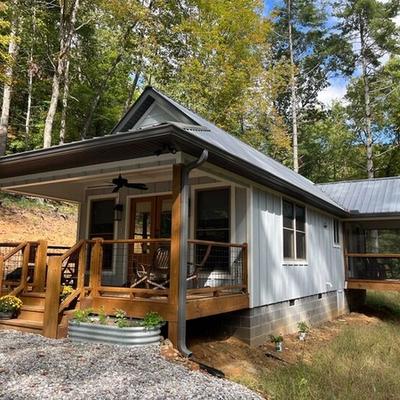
{"type": "Point", "coordinates": [129, 246]}
{"type": "Point", "coordinates": [372, 254]}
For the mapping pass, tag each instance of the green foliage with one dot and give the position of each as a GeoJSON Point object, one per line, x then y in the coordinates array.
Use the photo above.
{"type": "Point", "coordinates": [10, 303]}
{"type": "Point", "coordinates": [276, 339]}
{"type": "Point", "coordinates": [152, 319]}
{"type": "Point", "coordinates": [82, 315]}
{"type": "Point", "coordinates": [102, 316]}
{"type": "Point", "coordinates": [303, 327]}
{"type": "Point", "coordinates": [121, 319]}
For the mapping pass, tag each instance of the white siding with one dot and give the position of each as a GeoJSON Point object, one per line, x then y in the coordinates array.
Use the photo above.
{"type": "Point", "coordinates": [271, 279]}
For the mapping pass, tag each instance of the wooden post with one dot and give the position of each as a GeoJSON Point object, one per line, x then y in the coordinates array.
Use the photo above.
{"type": "Point", "coordinates": [52, 300]}
{"type": "Point", "coordinates": [96, 261]}
{"type": "Point", "coordinates": [25, 265]}
{"type": "Point", "coordinates": [245, 266]}
{"type": "Point", "coordinates": [175, 251]}
{"type": "Point", "coordinates": [81, 269]}
{"type": "Point", "coordinates": [39, 276]}
{"type": "Point", "coordinates": [1, 272]}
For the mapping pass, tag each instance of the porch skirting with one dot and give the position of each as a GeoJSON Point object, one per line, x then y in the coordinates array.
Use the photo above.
{"type": "Point", "coordinates": [254, 325]}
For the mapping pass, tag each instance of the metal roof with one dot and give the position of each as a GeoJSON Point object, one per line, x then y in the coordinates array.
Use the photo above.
{"type": "Point", "coordinates": [380, 196]}
{"type": "Point", "coordinates": [232, 145]}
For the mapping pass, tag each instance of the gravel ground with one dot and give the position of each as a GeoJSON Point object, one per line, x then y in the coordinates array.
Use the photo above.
{"type": "Point", "coordinates": [33, 367]}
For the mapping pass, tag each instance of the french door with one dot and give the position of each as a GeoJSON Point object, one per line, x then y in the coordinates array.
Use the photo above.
{"type": "Point", "coordinates": [151, 217]}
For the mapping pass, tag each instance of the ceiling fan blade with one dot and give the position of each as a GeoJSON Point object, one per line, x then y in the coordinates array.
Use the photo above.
{"type": "Point", "coordinates": [115, 190]}
{"type": "Point", "coordinates": [140, 186]}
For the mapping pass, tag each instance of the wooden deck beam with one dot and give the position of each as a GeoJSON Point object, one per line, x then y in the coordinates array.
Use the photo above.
{"type": "Point", "coordinates": [374, 285]}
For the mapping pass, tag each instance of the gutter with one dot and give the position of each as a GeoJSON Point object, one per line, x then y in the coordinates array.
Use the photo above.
{"type": "Point", "coordinates": [184, 234]}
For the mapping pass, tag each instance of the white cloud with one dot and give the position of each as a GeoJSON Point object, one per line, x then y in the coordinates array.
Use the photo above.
{"type": "Point", "coordinates": [332, 93]}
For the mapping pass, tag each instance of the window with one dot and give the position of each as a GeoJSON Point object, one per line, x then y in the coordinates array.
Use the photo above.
{"type": "Point", "coordinates": [294, 231]}
{"type": "Point", "coordinates": [101, 225]}
{"type": "Point", "coordinates": [213, 224]}
{"type": "Point", "coordinates": [336, 234]}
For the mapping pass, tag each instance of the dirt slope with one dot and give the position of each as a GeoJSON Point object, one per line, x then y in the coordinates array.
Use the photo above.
{"type": "Point", "coordinates": [29, 219]}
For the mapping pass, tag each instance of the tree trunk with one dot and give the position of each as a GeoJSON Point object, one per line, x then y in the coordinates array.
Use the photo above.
{"type": "Point", "coordinates": [31, 71]}
{"type": "Point", "coordinates": [367, 105]}
{"type": "Point", "coordinates": [7, 91]}
{"type": "Point", "coordinates": [67, 28]}
{"type": "Point", "coordinates": [131, 93]}
{"type": "Point", "coordinates": [293, 97]}
{"type": "Point", "coordinates": [63, 122]}
{"type": "Point", "coordinates": [99, 91]}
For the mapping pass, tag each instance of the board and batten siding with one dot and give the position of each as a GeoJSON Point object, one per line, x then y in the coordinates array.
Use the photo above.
{"type": "Point", "coordinates": [272, 278]}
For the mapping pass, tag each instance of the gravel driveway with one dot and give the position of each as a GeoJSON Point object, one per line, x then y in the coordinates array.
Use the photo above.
{"type": "Point", "coordinates": [33, 367]}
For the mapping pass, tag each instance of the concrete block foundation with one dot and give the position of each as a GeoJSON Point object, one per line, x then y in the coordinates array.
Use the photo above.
{"type": "Point", "coordinates": [254, 325]}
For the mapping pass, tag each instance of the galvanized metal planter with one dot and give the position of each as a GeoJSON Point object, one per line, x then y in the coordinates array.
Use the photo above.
{"type": "Point", "coordinates": [7, 314]}
{"type": "Point", "coordinates": [132, 336]}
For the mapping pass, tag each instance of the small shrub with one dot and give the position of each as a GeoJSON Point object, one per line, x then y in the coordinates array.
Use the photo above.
{"type": "Point", "coordinates": [303, 327]}
{"type": "Point", "coordinates": [120, 319]}
{"type": "Point", "coordinates": [276, 339]}
{"type": "Point", "coordinates": [82, 315]}
{"type": "Point", "coordinates": [152, 319]}
{"type": "Point", "coordinates": [10, 303]}
{"type": "Point", "coordinates": [102, 316]}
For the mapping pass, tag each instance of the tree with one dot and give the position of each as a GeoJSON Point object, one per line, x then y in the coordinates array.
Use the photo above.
{"type": "Point", "coordinates": [301, 38]}
{"type": "Point", "coordinates": [68, 15]}
{"type": "Point", "coordinates": [7, 91]}
{"type": "Point", "coordinates": [330, 150]}
{"type": "Point", "coordinates": [368, 25]}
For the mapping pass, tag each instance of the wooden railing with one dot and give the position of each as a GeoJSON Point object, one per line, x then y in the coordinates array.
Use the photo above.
{"type": "Point", "coordinates": [222, 267]}
{"type": "Point", "coordinates": [53, 308]}
{"type": "Point", "coordinates": [225, 265]}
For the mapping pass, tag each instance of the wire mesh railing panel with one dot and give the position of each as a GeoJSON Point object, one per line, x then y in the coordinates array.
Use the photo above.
{"type": "Point", "coordinates": [374, 268]}
{"type": "Point", "coordinates": [13, 265]}
{"type": "Point", "coordinates": [215, 265]}
{"type": "Point", "coordinates": [138, 264]}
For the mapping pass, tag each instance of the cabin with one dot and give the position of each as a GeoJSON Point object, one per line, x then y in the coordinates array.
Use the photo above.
{"type": "Point", "coordinates": [180, 217]}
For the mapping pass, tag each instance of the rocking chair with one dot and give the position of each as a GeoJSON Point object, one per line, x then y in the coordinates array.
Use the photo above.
{"type": "Point", "coordinates": [156, 274]}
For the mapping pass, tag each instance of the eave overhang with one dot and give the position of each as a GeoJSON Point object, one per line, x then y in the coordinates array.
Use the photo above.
{"type": "Point", "coordinates": [148, 142]}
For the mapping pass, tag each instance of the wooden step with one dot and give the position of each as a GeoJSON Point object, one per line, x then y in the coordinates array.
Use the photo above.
{"type": "Point", "coordinates": [33, 299]}
{"type": "Point", "coordinates": [31, 312]}
{"type": "Point", "coordinates": [23, 325]}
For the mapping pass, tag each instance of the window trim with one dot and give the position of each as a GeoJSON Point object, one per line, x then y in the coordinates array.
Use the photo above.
{"type": "Point", "coordinates": [338, 242]}
{"type": "Point", "coordinates": [90, 199]}
{"type": "Point", "coordinates": [294, 261]}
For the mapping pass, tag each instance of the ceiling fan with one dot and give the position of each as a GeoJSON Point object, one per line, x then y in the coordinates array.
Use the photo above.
{"type": "Point", "coordinates": [121, 182]}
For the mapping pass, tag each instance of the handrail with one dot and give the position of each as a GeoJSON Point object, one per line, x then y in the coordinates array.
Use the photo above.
{"type": "Point", "coordinates": [81, 273]}
{"type": "Point", "coordinates": [220, 244]}
{"type": "Point", "coordinates": [132, 241]}
{"type": "Point", "coordinates": [14, 251]}
{"type": "Point", "coordinates": [72, 250]}
{"type": "Point", "coordinates": [24, 273]}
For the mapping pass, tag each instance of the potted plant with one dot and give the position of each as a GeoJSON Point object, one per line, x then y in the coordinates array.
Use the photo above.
{"type": "Point", "coordinates": [88, 325]}
{"type": "Point", "coordinates": [9, 306]}
{"type": "Point", "coordinates": [278, 340]}
{"type": "Point", "coordinates": [303, 329]}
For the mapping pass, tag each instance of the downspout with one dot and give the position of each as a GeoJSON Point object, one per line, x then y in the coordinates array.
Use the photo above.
{"type": "Point", "coordinates": [184, 252]}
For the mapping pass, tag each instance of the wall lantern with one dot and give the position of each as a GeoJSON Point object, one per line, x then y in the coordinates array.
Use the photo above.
{"type": "Point", "coordinates": [118, 208]}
